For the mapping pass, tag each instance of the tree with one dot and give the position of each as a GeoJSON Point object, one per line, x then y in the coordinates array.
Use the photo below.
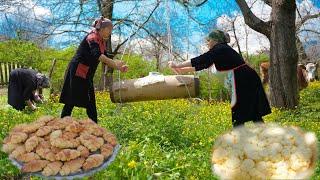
{"type": "Point", "coordinates": [106, 9]}
{"type": "Point", "coordinates": [157, 51]}
{"type": "Point", "coordinates": [281, 32]}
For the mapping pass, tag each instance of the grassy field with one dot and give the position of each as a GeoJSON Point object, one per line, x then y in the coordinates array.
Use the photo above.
{"type": "Point", "coordinates": [162, 139]}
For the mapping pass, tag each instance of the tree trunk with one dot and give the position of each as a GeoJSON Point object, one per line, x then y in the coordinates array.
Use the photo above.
{"type": "Point", "coordinates": [158, 64]}
{"type": "Point", "coordinates": [235, 35]}
{"type": "Point", "coordinates": [157, 56]}
{"type": "Point", "coordinates": [284, 56]}
{"type": "Point", "coordinates": [247, 50]}
{"type": "Point", "coordinates": [281, 32]}
{"type": "Point", "coordinates": [107, 73]}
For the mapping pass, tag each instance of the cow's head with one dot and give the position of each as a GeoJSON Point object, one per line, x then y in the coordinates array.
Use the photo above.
{"type": "Point", "coordinates": [264, 68]}
{"type": "Point", "coordinates": [311, 69]}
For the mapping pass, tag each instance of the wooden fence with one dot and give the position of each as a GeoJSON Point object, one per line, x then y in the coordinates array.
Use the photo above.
{"type": "Point", "coordinates": [5, 69]}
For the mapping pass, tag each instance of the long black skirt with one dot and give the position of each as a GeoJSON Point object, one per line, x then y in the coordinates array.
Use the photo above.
{"type": "Point", "coordinates": [251, 100]}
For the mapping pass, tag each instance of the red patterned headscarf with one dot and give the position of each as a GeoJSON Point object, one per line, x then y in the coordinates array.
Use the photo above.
{"type": "Point", "coordinates": [94, 36]}
{"type": "Point", "coordinates": [102, 23]}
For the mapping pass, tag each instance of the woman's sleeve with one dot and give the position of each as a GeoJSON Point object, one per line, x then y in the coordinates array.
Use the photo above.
{"type": "Point", "coordinates": [27, 91]}
{"type": "Point", "coordinates": [109, 55]}
{"type": "Point", "coordinates": [205, 60]}
{"type": "Point", "coordinates": [94, 46]}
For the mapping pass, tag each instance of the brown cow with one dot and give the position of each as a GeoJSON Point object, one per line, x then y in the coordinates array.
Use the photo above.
{"type": "Point", "coordinates": [264, 68]}
{"type": "Point", "coordinates": [301, 74]}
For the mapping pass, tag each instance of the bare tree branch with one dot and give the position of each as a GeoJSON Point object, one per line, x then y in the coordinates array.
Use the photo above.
{"type": "Point", "coordinates": [252, 20]}
{"type": "Point", "coordinates": [305, 19]}
{"type": "Point", "coordinates": [139, 27]}
{"type": "Point", "coordinates": [194, 3]}
{"type": "Point", "coordinates": [192, 18]}
{"type": "Point", "coordinates": [268, 2]}
{"type": "Point", "coordinates": [310, 30]}
{"type": "Point", "coordinates": [154, 37]}
{"type": "Point", "coordinates": [235, 34]}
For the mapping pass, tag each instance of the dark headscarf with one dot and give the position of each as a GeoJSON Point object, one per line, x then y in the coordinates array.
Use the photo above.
{"type": "Point", "coordinates": [219, 36]}
{"type": "Point", "coordinates": [42, 81]}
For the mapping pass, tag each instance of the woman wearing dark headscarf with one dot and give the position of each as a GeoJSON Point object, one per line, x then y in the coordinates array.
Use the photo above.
{"type": "Point", "coordinates": [23, 84]}
{"type": "Point", "coordinates": [78, 89]}
{"type": "Point", "coordinates": [248, 101]}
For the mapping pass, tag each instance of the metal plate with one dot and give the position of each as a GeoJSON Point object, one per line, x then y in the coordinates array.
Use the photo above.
{"type": "Point", "coordinates": [81, 174]}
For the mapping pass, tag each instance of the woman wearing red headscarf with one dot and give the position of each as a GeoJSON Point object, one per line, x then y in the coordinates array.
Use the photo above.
{"type": "Point", "coordinates": [78, 89]}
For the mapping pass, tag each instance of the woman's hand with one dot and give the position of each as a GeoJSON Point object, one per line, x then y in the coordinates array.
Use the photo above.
{"type": "Point", "coordinates": [176, 70]}
{"type": "Point", "coordinates": [183, 70]}
{"type": "Point", "coordinates": [38, 99]}
{"type": "Point", "coordinates": [121, 65]}
{"type": "Point", "coordinates": [41, 97]}
{"type": "Point", "coordinates": [172, 64]}
{"type": "Point", "coordinates": [123, 68]}
{"type": "Point", "coordinates": [31, 105]}
{"type": "Point", "coordinates": [114, 64]}
{"type": "Point", "coordinates": [174, 67]}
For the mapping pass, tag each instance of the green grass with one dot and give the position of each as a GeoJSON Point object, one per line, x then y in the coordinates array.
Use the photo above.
{"type": "Point", "coordinates": [163, 139]}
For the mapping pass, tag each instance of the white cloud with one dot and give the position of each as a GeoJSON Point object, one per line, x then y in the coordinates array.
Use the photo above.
{"type": "Point", "coordinates": [28, 6]}
{"type": "Point", "coordinates": [142, 46]}
{"type": "Point", "coordinates": [135, 45]}
{"type": "Point", "coordinates": [40, 11]}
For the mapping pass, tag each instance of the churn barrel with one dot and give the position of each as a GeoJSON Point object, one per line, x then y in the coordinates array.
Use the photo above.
{"type": "Point", "coordinates": [155, 86]}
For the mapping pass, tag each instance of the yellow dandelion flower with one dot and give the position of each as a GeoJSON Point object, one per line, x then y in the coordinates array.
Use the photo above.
{"type": "Point", "coordinates": [132, 164]}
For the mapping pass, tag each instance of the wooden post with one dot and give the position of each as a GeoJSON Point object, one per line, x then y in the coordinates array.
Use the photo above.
{"type": "Point", "coordinates": [6, 75]}
{"type": "Point", "coordinates": [1, 75]}
{"type": "Point", "coordinates": [9, 69]}
{"type": "Point", "coordinates": [12, 66]}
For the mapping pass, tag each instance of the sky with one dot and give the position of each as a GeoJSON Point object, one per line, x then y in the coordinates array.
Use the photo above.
{"type": "Point", "coordinates": [187, 34]}
{"type": "Point", "coordinates": [215, 14]}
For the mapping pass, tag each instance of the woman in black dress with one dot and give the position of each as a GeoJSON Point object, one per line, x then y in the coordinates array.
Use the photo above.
{"type": "Point", "coordinates": [78, 89]}
{"type": "Point", "coordinates": [23, 84]}
{"type": "Point", "coordinates": [249, 101]}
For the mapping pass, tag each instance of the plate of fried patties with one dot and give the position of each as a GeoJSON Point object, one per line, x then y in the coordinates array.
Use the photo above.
{"type": "Point", "coordinates": [60, 147]}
